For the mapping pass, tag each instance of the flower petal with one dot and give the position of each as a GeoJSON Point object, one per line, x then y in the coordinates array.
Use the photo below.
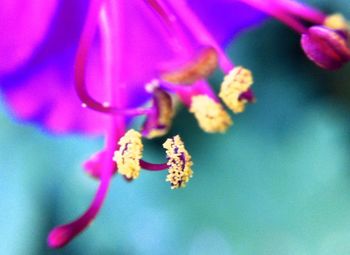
{"type": "Point", "coordinates": [226, 18]}
{"type": "Point", "coordinates": [44, 94]}
{"type": "Point", "coordinates": [24, 25]}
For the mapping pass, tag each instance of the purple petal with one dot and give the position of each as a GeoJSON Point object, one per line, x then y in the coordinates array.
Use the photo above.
{"type": "Point", "coordinates": [226, 18]}
{"type": "Point", "coordinates": [45, 95]}
{"type": "Point", "coordinates": [24, 25]}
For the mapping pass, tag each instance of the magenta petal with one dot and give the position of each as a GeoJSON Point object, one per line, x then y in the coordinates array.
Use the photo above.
{"type": "Point", "coordinates": [226, 18]}
{"type": "Point", "coordinates": [142, 43]}
{"type": "Point", "coordinates": [24, 25]}
{"type": "Point", "coordinates": [46, 96]}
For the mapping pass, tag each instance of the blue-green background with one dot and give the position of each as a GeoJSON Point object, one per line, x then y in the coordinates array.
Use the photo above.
{"type": "Point", "coordinates": [277, 183]}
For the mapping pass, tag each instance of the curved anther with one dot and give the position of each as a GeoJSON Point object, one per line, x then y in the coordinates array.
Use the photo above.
{"type": "Point", "coordinates": [158, 123]}
{"type": "Point", "coordinates": [199, 68]}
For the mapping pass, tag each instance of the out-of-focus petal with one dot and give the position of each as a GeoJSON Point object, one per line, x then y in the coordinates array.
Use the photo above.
{"type": "Point", "coordinates": [226, 18]}
{"type": "Point", "coordinates": [45, 95]}
{"type": "Point", "coordinates": [143, 44]}
{"type": "Point", "coordinates": [24, 25]}
{"type": "Point", "coordinates": [42, 91]}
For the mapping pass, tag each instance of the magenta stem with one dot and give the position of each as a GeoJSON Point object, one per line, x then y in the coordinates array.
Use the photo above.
{"type": "Point", "coordinates": [201, 33]}
{"type": "Point", "coordinates": [85, 43]}
{"type": "Point", "coordinates": [271, 9]}
{"type": "Point", "coordinates": [302, 11]}
{"type": "Point", "coordinates": [153, 167]}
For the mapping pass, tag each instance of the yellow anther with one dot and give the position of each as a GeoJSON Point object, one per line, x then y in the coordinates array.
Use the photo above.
{"type": "Point", "coordinates": [129, 154]}
{"type": "Point", "coordinates": [210, 115]}
{"type": "Point", "coordinates": [235, 83]}
{"type": "Point", "coordinates": [199, 68]}
{"type": "Point", "coordinates": [179, 162]}
{"type": "Point", "coordinates": [337, 22]}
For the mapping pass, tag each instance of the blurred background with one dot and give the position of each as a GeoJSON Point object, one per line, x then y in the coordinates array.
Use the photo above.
{"type": "Point", "coordinates": [277, 183]}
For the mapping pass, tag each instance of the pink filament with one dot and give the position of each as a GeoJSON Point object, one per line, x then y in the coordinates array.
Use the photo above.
{"type": "Point", "coordinates": [153, 167]}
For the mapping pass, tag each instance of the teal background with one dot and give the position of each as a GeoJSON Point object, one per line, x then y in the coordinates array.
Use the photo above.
{"type": "Point", "coordinates": [277, 183]}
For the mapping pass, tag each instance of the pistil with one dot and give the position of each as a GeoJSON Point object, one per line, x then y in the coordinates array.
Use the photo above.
{"type": "Point", "coordinates": [63, 234]}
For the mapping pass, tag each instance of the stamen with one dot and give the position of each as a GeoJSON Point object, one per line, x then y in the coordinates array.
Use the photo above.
{"type": "Point", "coordinates": [129, 154]}
{"type": "Point", "coordinates": [179, 162]}
{"type": "Point", "coordinates": [198, 69]}
{"type": "Point", "coordinates": [336, 22]}
{"type": "Point", "coordinates": [236, 83]}
{"type": "Point", "coordinates": [158, 124]}
{"type": "Point", "coordinates": [210, 115]}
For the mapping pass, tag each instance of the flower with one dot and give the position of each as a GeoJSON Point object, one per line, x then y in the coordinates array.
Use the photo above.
{"type": "Point", "coordinates": [144, 54]}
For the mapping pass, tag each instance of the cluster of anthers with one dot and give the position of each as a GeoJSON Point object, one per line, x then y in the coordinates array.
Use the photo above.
{"type": "Point", "coordinates": [324, 39]}
{"type": "Point", "coordinates": [129, 162]}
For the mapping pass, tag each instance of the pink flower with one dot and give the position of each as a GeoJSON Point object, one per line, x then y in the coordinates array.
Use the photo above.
{"type": "Point", "coordinates": [132, 59]}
